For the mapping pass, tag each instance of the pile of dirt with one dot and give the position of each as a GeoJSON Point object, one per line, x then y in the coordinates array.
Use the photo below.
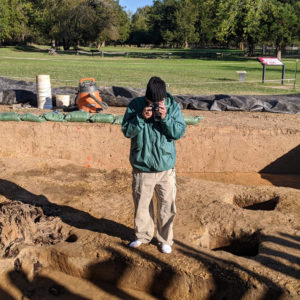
{"type": "Point", "coordinates": [24, 225]}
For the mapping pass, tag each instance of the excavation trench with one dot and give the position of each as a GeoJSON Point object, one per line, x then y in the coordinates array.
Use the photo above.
{"type": "Point", "coordinates": [70, 187]}
{"type": "Point", "coordinates": [126, 278]}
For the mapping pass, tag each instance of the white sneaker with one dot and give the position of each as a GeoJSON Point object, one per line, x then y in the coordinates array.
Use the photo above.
{"type": "Point", "coordinates": [166, 248]}
{"type": "Point", "coordinates": [135, 244]}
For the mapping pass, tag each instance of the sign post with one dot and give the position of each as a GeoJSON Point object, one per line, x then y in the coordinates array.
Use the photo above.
{"type": "Point", "coordinates": [295, 74]}
{"type": "Point", "coordinates": [264, 73]}
{"type": "Point", "coordinates": [271, 61]}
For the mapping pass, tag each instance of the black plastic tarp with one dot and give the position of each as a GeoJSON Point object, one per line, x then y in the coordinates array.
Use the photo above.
{"type": "Point", "coordinates": [268, 103]}
{"type": "Point", "coordinates": [14, 91]}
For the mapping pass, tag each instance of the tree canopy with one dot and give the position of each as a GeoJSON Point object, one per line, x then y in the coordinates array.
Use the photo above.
{"type": "Point", "coordinates": [170, 23]}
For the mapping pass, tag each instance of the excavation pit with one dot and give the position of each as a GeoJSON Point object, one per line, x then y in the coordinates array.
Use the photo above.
{"type": "Point", "coordinates": [257, 202]}
{"type": "Point", "coordinates": [78, 175]}
{"type": "Point", "coordinates": [246, 246]}
{"type": "Point", "coordinates": [72, 238]}
{"type": "Point", "coordinates": [266, 205]}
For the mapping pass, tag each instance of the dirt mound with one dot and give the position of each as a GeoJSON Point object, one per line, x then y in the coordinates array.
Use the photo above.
{"type": "Point", "coordinates": [26, 225]}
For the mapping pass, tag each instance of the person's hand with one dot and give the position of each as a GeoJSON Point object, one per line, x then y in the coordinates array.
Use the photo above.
{"type": "Point", "coordinates": [147, 112]}
{"type": "Point", "coordinates": [162, 109]}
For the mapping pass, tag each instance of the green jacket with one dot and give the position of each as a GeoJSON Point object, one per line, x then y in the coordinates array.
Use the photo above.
{"type": "Point", "coordinates": [152, 143]}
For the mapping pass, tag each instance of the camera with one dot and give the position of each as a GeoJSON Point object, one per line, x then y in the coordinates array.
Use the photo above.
{"type": "Point", "coordinates": [155, 111]}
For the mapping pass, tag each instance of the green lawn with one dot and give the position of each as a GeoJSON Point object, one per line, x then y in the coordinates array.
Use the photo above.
{"type": "Point", "coordinates": [183, 76]}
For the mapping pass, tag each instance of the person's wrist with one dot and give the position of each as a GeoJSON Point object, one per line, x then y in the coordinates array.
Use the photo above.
{"type": "Point", "coordinates": [164, 119]}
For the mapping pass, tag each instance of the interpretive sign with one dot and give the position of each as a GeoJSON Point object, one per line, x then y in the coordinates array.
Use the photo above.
{"type": "Point", "coordinates": [271, 61]}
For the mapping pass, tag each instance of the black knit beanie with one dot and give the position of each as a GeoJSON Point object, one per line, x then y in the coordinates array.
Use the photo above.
{"type": "Point", "coordinates": [156, 89]}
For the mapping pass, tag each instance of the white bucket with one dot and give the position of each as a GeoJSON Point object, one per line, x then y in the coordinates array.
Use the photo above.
{"type": "Point", "coordinates": [44, 95]}
{"type": "Point", "coordinates": [62, 100]}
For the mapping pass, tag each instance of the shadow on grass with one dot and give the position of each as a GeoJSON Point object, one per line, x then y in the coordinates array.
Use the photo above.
{"type": "Point", "coordinates": [247, 68]}
{"type": "Point", "coordinates": [25, 48]}
{"type": "Point", "coordinates": [207, 54]}
{"type": "Point", "coordinates": [225, 79]}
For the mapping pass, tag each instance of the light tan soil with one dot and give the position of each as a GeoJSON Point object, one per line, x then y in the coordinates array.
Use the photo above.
{"type": "Point", "coordinates": [237, 235]}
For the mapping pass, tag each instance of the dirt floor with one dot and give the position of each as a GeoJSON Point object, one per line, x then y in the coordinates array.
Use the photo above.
{"type": "Point", "coordinates": [65, 226]}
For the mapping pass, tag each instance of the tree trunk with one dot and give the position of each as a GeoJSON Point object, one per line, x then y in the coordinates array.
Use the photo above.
{"type": "Point", "coordinates": [100, 44]}
{"type": "Point", "coordinates": [242, 46]}
{"type": "Point", "coordinates": [186, 44]}
{"type": "Point", "coordinates": [278, 53]}
{"type": "Point", "coordinates": [251, 49]}
{"type": "Point", "coordinates": [53, 44]}
{"type": "Point", "coordinates": [66, 46]}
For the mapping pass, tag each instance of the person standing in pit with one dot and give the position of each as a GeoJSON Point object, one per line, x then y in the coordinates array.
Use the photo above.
{"type": "Point", "coordinates": [153, 123]}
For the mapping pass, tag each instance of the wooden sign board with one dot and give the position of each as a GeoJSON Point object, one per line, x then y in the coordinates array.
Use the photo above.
{"type": "Point", "coordinates": [270, 61]}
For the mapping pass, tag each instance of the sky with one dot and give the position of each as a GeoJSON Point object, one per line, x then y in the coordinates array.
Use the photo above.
{"type": "Point", "coordinates": [132, 5]}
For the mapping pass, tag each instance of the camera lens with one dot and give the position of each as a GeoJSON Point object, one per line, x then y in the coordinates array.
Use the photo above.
{"type": "Point", "coordinates": [156, 113]}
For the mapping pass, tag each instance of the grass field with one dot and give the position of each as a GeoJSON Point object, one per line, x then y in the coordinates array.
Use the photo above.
{"type": "Point", "coordinates": [183, 76]}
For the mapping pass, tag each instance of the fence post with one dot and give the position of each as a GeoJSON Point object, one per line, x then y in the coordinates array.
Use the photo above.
{"type": "Point", "coordinates": [283, 72]}
{"type": "Point", "coordinates": [264, 74]}
{"type": "Point", "coordinates": [295, 74]}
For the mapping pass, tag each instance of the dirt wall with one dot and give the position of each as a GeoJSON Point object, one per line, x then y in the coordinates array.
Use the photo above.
{"type": "Point", "coordinates": [215, 145]}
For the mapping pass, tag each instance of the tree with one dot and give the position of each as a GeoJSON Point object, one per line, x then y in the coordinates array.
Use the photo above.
{"type": "Point", "coordinates": [254, 29]}
{"type": "Point", "coordinates": [231, 16]}
{"type": "Point", "coordinates": [207, 21]}
{"type": "Point", "coordinates": [14, 16]}
{"type": "Point", "coordinates": [186, 16]}
{"type": "Point", "coordinates": [139, 29]}
{"type": "Point", "coordinates": [160, 21]}
{"type": "Point", "coordinates": [297, 12]}
{"type": "Point", "coordinates": [256, 21]}
{"type": "Point", "coordinates": [5, 32]}
{"type": "Point", "coordinates": [172, 22]}
{"type": "Point", "coordinates": [107, 21]}
{"type": "Point", "coordinates": [69, 22]}
{"type": "Point", "coordinates": [280, 23]}
{"type": "Point", "coordinates": [123, 24]}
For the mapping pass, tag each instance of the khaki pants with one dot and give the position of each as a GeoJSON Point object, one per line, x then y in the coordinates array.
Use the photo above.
{"type": "Point", "coordinates": [163, 184]}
